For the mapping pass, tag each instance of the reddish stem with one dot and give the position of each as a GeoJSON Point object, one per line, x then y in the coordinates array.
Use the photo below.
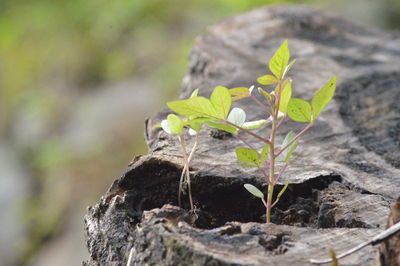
{"type": "Point", "coordinates": [248, 132]}
{"type": "Point", "coordinates": [294, 139]}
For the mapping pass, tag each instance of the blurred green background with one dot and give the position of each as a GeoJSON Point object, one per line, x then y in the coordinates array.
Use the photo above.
{"type": "Point", "coordinates": [77, 80]}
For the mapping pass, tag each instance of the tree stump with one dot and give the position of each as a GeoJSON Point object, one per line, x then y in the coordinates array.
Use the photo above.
{"type": "Point", "coordinates": [343, 178]}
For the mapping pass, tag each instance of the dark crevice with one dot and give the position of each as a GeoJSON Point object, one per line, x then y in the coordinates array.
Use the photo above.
{"type": "Point", "coordinates": [220, 200]}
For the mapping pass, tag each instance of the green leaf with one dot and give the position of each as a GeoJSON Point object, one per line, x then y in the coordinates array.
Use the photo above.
{"type": "Point", "coordinates": [247, 165]}
{"type": "Point", "coordinates": [197, 122]}
{"type": "Point", "coordinates": [323, 97]}
{"type": "Point", "coordinates": [221, 100]}
{"type": "Point", "coordinates": [247, 155]}
{"type": "Point", "coordinates": [299, 110]}
{"type": "Point", "coordinates": [254, 124]}
{"type": "Point", "coordinates": [282, 190]}
{"type": "Point", "coordinates": [266, 95]}
{"type": "Point", "coordinates": [194, 93]}
{"type": "Point", "coordinates": [198, 105]}
{"type": "Point", "coordinates": [286, 94]}
{"type": "Point", "coordinates": [175, 124]}
{"type": "Point", "coordinates": [280, 60]}
{"type": "Point", "coordinates": [237, 116]}
{"type": "Point", "coordinates": [239, 93]}
{"type": "Point", "coordinates": [223, 127]}
{"type": "Point", "coordinates": [288, 151]}
{"type": "Point", "coordinates": [253, 190]}
{"type": "Point", "coordinates": [264, 154]}
{"type": "Point", "coordinates": [267, 80]}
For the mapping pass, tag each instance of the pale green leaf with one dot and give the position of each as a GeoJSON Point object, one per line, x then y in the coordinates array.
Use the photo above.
{"type": "Point", "coordinates": [290, 150]}
{"type": "Point", "coordinates": [288, 67]}
{"type": "Point", "coordinates": [175, 124]}
{"type": "Point", "coordinates": [253, 190]}
{"type": "Point", "coordinates": [323, 97]}
{"type": "Point", "coordinates": [285, 156]}
{"type": "Point", "coordinates": [280, 60]}
{"type": "Point", "coordinates": [282, 190]}
{"type": "Point", "coordinates": [221, 100]}
{"type": "Point", "coordinates": [247, 155]}
{"type": "Point", "coordinates": [165, 126]}
{"type": "Point", "coordinates": [194, 93]}
{"type": "Point", "coordinates": [286, 94]}
{"type": "Point", "coordinates": [239, 93]}
{"type": "Point", "coordinates": [223, 127]}
{"type": "Point", "coordinates": [299, 110]}
{"type": "Point", "coordinates": [192, 132]}
{"type": "Point", "coordinates": [267, 80]}
{"type": "Point", "coordinates": [198, 106]}
{"type": "Point", "coordinates": [237, 116]}
{"type": "Point", "coordinates": [254, 124]}
{"type": "Point", "coordinates": [264, 154]}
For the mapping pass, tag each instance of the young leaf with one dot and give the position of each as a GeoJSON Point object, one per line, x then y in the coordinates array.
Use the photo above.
{"type": "Point", "coordinates": [192, 132]}
{"type": "Point", "coordinates": [197, 122]}
{"type": "Point", "coordinates": [299, 110]}
{"type": "Point", "coordinates": [286, 94]}
{"type": "Point", "coordinates": [247, 155]}
{"type": "Point", "coordinates": [254, 124]}
{"type": "Point", "coordinates": [194, 93]}
{"type": "Point", "coordinates": [165, 126]}
{"type": "Point", "coordinates": [175, 124]}
{"type": "Point", "coordinates": [198, 105]}
{"type": "Point", "coordinates": [267, 80]}
{"type": "Point", "coordinates": [237, 116]}
{"type": "Point", "coordinates": [266, 94]}
{"type": "Point", "coordinates": [288, 67]}
{"type": "Point", "coordinates": [264, 154]}
{"type": "Point", "coordinates": [239, 93]}
{"type": "Point", "coordinates": [323, 97]}
{"type": "Point", "coordinates": [288, 152]}
{"type": "Point", "coordinates": [221, 100]}
{"type": "Point", "coordinates": [223, 127]}
{"type": "Point", "coordinates": [253, 190]}
{"type": "Point", "coordinates": [282, 190]}
{"type": "Point", "coordinates": [280, 60]}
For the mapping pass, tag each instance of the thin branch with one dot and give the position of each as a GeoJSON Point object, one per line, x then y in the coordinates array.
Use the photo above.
{"type": "Point", "coordinates": [261, 104]}
{"type": "Point", "coordinates": [280, 173]}
{"type": "Point", "coordinates": [245, 142]}
{"type": "Point", "coordinates": [248, 132]}
{"type": "Point", "coordinates": [391, 231]}
{"type": "Point", "coordinates": [295, 138]}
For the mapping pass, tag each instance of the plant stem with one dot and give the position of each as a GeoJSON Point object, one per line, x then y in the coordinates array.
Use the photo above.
{"type": "Point", "coordinates": [271, 169]}
{"type": "Point", "coordinates": [260, 104]}
{"type": "Point", "coordinates": [280, 173]}
{"type": "Point", "coordinates": [247, 131]}
{"type": "Point", "coordinates": [245, 142]}
{"type": "Point", "coordinates": [295, 138]}
{"type": "Point", "coordinates": [187, 166]}
{"type": "Point", "coordinates": [186, 169]}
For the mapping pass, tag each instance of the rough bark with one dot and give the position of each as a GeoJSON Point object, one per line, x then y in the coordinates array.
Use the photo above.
{"type": "Point", "coordinates": [340, 188]}
{"type": "Point", "coordinates": [389, 250]}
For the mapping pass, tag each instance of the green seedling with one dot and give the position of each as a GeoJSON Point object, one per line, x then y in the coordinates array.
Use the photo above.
{"type": "Point", "coordinates": [216, 112]}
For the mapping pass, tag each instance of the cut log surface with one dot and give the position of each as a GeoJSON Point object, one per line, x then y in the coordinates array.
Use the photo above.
{"type": "Point", "coordinates": [343, 178]}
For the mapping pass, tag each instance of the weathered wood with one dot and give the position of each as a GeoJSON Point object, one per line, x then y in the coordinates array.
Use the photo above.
{"type": "Point", "coordinates": [344, 181]}
{"type": "Point", "coordinates": [389, 250]}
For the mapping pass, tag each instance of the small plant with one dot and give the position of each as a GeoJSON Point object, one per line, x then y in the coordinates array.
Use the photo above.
{"type": "Point", "coordinates": [216, 112]}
